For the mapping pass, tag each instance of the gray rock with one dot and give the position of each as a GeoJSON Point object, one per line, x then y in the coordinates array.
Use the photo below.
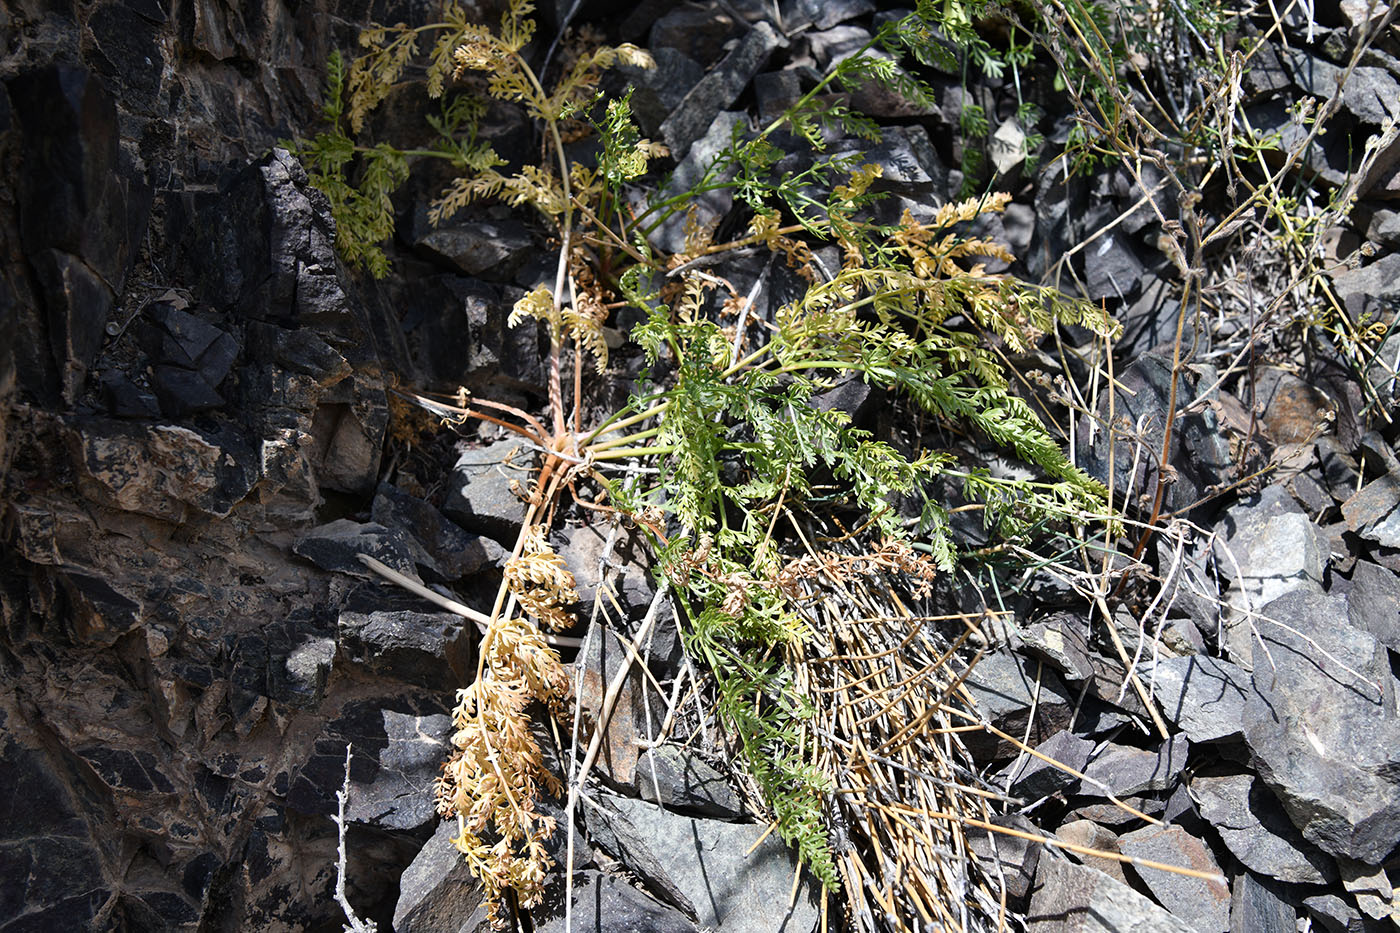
{"type": "Point", "coordinates": [1255, 829]}
{"type": "Point", "coordinates": [1143, 399]}
{"type": "Point", "coordinates": [1033, 778]}
{"type": "Point", "coordinates": [1112, 268]}
{"type": "Point", "coordinates": [700, 31]}
{"type": "Point", "coordinates": [1014, 858]}
{"type": "Point", "coordinates": [1373, 603]}
{"type": "Point", "coordinates": [706, 860]}
{"type": "Point", "coordinates": [398, 746]}
{"type": "Point", "coordinates": [822, 14]}
{"type": "Point", "coordinates": [1203, 696]}
{"type": "Point", "coordinates": [398, 796]}
{"type": "Point", "coordinates": [1007, 148]}
{"type": "Point", "coordinates": [909, 162]}
{"type": "Point", "coordinates": [1322, 726]}
{"type": "Point", "coordinates": [405, 638]}
{"type": "Point", "coordinates": [335, 547]}
{"type": "Point", "coordinates": [657, 92]}
{"type": "Point", "coordinates": [490, 249]}
{"type": "Point", "coordinates": [1269, 548]}
{"type": "Point", "coordinates": [1122, 770]}
{"type": "Point", "coordinates": [1254, 906]}
{"type": "Point", "coordinates": [830, 46]}
{"type": "Point", "coordinates": [776, 92]}
{"type": "Point", "coordinates": [1374, 512]}
{"type": "Point", "coordinates": [436, 544]}
{"type": "Point", "coordinates": [1202, 903]}
{"type": "Point", "coordinates": [1069, 897]}
{"type": "Point", "coordinates": [1370, 287]}
{"type": "Point", "coordinates": [1384, 228]}
{"type": "Point", "coordinates": [1006, 689]}
{"type": "Point", "coordinates": [719, 89]}
{"type": "Point", "coordinates": [675, 777]}
{"type": "Point", "coordinates": [669, 236]}
{"type": "Point", "coordinates": [1334, 915]}
{"type": "Point", "coordinates": [611, 832]}
{"type": "Point", "coordinates": [1062, 641]}
{"type": "Point", "coordinates": [1384, 371]}
{"type": "Point", "coordinates": [437, 893]}
{"type": "Point", "coordinates": [1091, 835]}
{"type": "Point", "coordinates": [165, 471]}
{"type": "Point", "coordinates": [1371, 94]}
{"type": "Point", "coordinates": [480, 498]}
{"type": "Point", "coordinates": [604, 904]}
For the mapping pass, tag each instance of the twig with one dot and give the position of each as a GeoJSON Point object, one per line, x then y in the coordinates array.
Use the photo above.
{"type": "Point", "coordinates": [355, 924]}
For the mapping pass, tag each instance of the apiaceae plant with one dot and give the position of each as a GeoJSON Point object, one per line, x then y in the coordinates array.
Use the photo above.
{"type": "Point", "coordinates": [733, 428]}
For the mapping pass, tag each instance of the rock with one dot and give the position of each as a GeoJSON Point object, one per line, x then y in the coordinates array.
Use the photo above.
{"type": "Point", "coordinates": [699, 31]}
{"type": "Point", "coordinates": [1369, 289]}
{"type": "Point", "coordinates": [1069, 897]}
{"type": "Point", "coordinates": [1257, 832]}
{"type": "Point", "coordinates": [706, 860]}
{"type": "Point", "coordinates": [405, 638]}
{"type": "Point", "coordinates": [719, 89]}
{"type": "Point", "coordinates": [1331, 913]}
{"type": "Point", "coordinates": [479, 496]}
{"type": "Point", "coordinates": [1292, 411]}
{"type": "Point", "coordinates": [822, 14]}
{"type": "Point", "coordinates": [1322, 727]}
{"type": "Point", "coordinates": [491, 249]}
{"type": "Point", "coordinates": [909, 162]}
{"type": "Point", "coordinates": [610, 831]}
{"type": "Point", "coordinates": [1384, 228]}
{"type": "Point", "coordinates": [676, 778]}
{"type": "Point", "coordinates": [605, 902]}
{"type": "Point", "coordinates": [1111, 267]}
{"type": "Point", "coordinates": [1201, 903]}
{"type": "Point", "coordinates": [829, 47]}
{"type": "Point", "coordinates": [1372, 889]}
{"type": "Point", "coordinates": [1203, 696]}
{"type": "Point", "coordinates": [776, 92]}
{"type": "Point", "coordinates": [626, 556]}
{"type": "Point", "coordinates": [1371, 94]}
{"type": "Point", "coordinates": [437, 892]}
{"type": "Point", "coordinates": [1149, 320]}
{"type": "Point", "coordinates": [1269, 548]}
{"type": "Point", "coordinates": [1255, 906]}
{"type": "Point", "coordinates": [437, 545]}
{"type": "Point", "coordinates": [1091, 835]}
{"type": "Point", "coordinates": [1014, 859]}
{"type": "Point", "coordinates": [399, 795]}
{"type": "Point", "coordinates": [1006, 688]}
{"type": "Point", "coordinates": [602, 657]}
{"type": "Point", "coordinates": [1384, 371]}
{"type": "Point", "coordinates": [1008, 149]}
{"type": "Point", "coordinates": [1143, 399]}
{"type": "Point", "coordinates": [657, 92]}
{"type": "Point", "coordinates": [162, 470]}
{"type": "Point", "coordinates": [710, 206]}
{"type": "Point", "coordinates": [336, 547]}
{"type": "Point", "coordinates": [52, 868]}
{"type": "Point", "coordinates": [1032, 778]}
{"type": "Point", "coordinates": [1374, 512]}
{"type": "Point", "coordinates": [1123, 771]}
{"type": "Point", "coordinates": [398, 746]}
{"type": "Point", "coordinates": [82, 213]}
{"type": "Point", "coordinates": [1373, 603]}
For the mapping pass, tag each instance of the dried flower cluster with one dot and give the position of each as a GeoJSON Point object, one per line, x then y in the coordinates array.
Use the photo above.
{"type": "Point", "coordinates": [492, 781]}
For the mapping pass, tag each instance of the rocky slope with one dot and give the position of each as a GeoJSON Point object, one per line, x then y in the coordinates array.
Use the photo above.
{"type": "Point", "coordinates": [194, 443]}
